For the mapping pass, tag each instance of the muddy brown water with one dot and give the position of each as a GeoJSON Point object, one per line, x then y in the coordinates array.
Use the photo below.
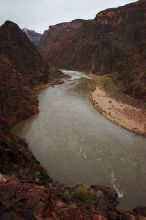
{"type": "Point", "coordinates": [76, 144]}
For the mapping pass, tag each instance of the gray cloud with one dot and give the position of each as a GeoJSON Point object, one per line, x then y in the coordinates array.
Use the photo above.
{"type": "Point", "coordinates": [39, 14]}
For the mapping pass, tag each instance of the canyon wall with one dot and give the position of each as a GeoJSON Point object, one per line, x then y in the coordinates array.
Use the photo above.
{"type": "Point", "coordinates": [113, 42]}
{"type": "Point", "coordinates": [21, 69]}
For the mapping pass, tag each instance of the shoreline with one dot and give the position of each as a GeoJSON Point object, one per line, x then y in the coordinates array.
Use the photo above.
{"type": "Point", "coordinates": [52, 199]}
{"type": "Point", "coordinates": [34, 108]}
{"type": "Point", "coordinates": [30, 182]}
{"type": "Point", "coordinates": [58, 81]}
{"type": "Point", "coordinates": [120, 112]}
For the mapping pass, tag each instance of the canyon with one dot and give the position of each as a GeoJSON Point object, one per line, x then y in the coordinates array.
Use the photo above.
{"type": "Point", "coordinates": [112, 43]}
{"type": "Point", "coordinates": [26, 190]}
{"type": "Point", "coordinates": [87, 148]}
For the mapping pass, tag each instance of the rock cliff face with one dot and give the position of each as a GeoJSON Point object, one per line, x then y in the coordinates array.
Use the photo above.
{"type": "Point", "coordinates": [21, 69]}
{"type": "Point", "coordinates": [113, 42]}
{"type": "Point", "coordinates": [63, 45]}
{"type": "Point", "coordinates": [33, 36]}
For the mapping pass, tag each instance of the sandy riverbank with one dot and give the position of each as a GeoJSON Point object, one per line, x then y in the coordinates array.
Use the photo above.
{"type": "Point", "coordinates": [127, 115]}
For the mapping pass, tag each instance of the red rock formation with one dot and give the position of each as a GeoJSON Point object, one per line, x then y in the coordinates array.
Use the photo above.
{"type": "Point", "coordinates": [21, 55]}
{"type": "Point", "coordinates": [29, 201]}
{"type": "Point", "coordinates": [114, 42]}
{"type": "Point", "coordinates": [62, 46]}
{"type": "Point", "coordinates": [21, 69]}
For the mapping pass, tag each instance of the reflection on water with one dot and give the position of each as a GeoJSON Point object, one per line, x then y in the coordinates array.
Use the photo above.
{"type": "Point", "coordinates": [75, 144]}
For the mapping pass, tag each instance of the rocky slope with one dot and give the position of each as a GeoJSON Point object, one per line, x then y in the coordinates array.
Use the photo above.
{"type": "Point", "coordinates": [113, 42]}
{"type": "Point", "coordinates": [33, 36]}
{"type": "Point", "coordinates": [21, 69]}
{"type": "Point", "coordinates": [30, 201]}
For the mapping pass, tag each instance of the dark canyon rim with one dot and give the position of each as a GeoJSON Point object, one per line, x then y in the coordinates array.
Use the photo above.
{"type": "Point", "coordinates": [76, 144]}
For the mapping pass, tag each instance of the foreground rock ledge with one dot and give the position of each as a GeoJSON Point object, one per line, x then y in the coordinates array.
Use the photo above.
{"type": "Point", "coordinates": [25, 201]}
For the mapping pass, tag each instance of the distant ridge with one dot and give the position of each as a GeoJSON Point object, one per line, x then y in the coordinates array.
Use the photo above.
{"type": "Point", "coordinates": [33, 36]}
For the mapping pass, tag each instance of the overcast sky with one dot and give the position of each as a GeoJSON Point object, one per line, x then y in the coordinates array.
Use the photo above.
{"type": "Point", "coordinates": [39, 14]}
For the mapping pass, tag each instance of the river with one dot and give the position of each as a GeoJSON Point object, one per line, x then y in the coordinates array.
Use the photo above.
{"type": "Point", "coordinates": [76, 144]}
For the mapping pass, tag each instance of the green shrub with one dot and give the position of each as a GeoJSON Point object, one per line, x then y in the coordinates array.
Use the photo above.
{"type": "Point", "coordinates": [83, 195]}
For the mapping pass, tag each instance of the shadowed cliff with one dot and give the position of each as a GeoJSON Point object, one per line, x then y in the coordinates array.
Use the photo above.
{"type": "Point", "coordinates": [21, 69]}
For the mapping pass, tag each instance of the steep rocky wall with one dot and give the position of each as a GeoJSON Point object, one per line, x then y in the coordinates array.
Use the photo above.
{"type": "Point", "coordinates": [21, 55]}
{"type": "Point", "coordinates": [113, 42]}
{"type": "Point", "coordinates": [21, 69]}
{"type": "Point", "coordinates": [59, 44]}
